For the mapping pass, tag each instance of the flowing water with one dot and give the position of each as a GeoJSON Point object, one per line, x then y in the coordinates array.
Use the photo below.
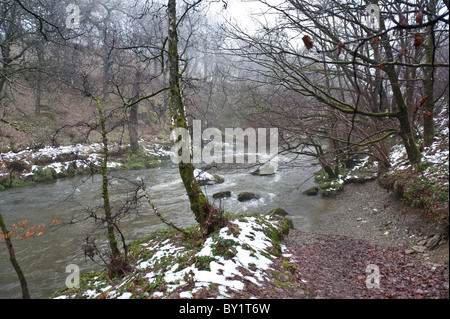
{"type": "Point", "coordinates": [44, 259]}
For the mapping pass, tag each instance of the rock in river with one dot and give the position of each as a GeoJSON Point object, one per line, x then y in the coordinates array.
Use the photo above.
{"type": "Point", "coordinates": [278, 212]}
{"type": "Point", "coordinates": [221, 195]}
{"type": "Point", "coordinates": [265, 170]}
{"type": "Point", "coordinates": [246, 196]}
{"type": "Point", "coordinates": [313, 191]}
{"type": "Point", "coordinates": [205, 178]}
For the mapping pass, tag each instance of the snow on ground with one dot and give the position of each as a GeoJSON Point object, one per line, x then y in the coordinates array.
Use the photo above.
{"type": "Point", "coordinates": [56, 157]}
{"type": "Point", "coordinates": [246, 258]}
{"type": "Point", "coordinates": [203, 176]}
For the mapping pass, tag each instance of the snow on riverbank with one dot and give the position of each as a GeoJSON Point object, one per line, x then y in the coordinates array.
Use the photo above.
{"type": "Point", "coordinates": [238, 255]}
{"type": "Point", "coordinates": [26, 163]}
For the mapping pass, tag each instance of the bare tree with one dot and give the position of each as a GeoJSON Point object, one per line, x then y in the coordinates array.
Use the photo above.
{"type": "Point", "coordinates": [327, 52]}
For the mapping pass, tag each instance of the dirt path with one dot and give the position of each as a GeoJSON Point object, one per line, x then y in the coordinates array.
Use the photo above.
{"type": "Point", "coordinates": [371, 227]}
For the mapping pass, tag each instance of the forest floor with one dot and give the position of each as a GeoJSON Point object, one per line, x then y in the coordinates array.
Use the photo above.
{"type": "Point", "coordinates": [370, 227]}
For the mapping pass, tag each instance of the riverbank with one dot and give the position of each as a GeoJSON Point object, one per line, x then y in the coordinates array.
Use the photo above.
{"type": "Point", "coordinates": [49, 163]}
{"type": "Point", "coordinates": [372, 227]}
{"type": "Point", "coordinates": [255, 257]}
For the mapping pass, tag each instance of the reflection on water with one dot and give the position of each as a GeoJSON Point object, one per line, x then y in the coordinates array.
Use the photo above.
{"type": "Point", "coordinates": [44, 259]}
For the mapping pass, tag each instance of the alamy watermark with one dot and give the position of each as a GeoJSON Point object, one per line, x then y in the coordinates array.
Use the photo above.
{"type": "Point", "coordinates": [373, 17]}
{"type": "Point", "coordinates": [74, 17]}
{"type": "Point", "coordinates": [73, 280]}
{"type": "Point", "coordinates": [373, 277]}
{"type": "Point", "coordinates": [236, 145]}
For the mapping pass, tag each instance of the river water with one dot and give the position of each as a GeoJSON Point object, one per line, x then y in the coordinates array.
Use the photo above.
{"type": "Point", "coordinates": [44, 259]}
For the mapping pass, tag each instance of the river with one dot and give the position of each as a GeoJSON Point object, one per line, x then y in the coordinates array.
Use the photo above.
{"type": "Point", "coordinates": [44, 259]}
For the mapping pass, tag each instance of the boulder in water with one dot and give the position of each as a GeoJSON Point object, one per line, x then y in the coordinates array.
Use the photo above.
{"type": "Point", "coordinates": [313, 191]}
{"type": "Point", "coordinates": [246, 196]}
{"type": "Point", "coordinates": [278, 212]}
{"type": "Point", "coordinates": [204, 178]}
{"type": "Point", "coordinates": [265, 170]}
{"type": "Point", "coordinates": [221, 195]}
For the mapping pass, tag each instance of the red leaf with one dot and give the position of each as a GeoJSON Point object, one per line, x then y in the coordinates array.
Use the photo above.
{"type": "Point", "coordinates": [422, 102]}
{"type": "Point", "coordinates": [307, 41]}
{"type": "Point", "coordinates": [424, 99]}
{"type": "Point", "coordinates": [419, 17]}
{"type": "Point", "coordinates": [418, 40]}
{"type": "Point", "coordinates": [341, 46]}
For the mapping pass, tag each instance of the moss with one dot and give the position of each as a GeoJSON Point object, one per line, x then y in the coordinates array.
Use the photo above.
{"type": "Point", "coordinates": [219, 179]}
{"type": "Point", "coordinates": [44, 174]}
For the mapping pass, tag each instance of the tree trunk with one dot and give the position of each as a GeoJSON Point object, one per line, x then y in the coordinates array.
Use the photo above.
{"type": "Point", "coordinates": [199, 202]}
{"type": "Point", "coordinates": [37, 104]}
{"type": "Point", "coordinates": [133, 117]}
{"type": "Point", "coordinates": [428, 81]}
{"type": "Point", "coordinates": [12, 258]}
{"type": "Point", "coordinates": [115, 252]}
{"type": "Point", "coordinates": [406, 132]}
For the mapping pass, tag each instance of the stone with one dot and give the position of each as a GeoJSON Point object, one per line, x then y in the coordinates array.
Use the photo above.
{"type": "Point", "coordinates": [264, 171]}
{"type": "Point", "coordinates": [279, 212]}
{"type": "Point", "coordinates": [419, 249]}
{"type": "Point", "coordinates": [219, 179]}
{"type": "Point", "coordinates": [313, 191]}
{"type": "Point", "coordinates": [409, 251]}
{"type": "Point", "coordinates": [246, 196]}
{"type": "Point", "coordinates": [204, 178]}
{"type": "Point", "coordinates": [433, 242]}
{"type": "Point", "coordinates": [221, 195]}
{"type": "Point", "coordinates": [422, 242]}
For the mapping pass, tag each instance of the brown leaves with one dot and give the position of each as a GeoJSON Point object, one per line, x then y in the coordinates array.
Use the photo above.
{"type": "Point", "coordinates": [419, 17]}
{"type": "Point", "coordinates": [422, 102]}
{"type": "Point", "coordinates": [21, 231]}
{"type": "Point", "coordinates": [307, 41]}
{"type": "Point", "coordinates": [341, 45]}
{"type": "Point", "coordinates": [427, 113]}
{"type": "Point", "coordinates": [334, 267]}
{"type": "Point", "coordinates": [418, 40]}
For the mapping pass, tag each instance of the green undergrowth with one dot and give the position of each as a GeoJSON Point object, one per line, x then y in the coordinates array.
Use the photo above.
{"type": "Point", "coordinates": [360, 173]}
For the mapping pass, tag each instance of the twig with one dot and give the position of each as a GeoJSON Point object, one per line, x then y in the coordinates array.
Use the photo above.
{"type": "Point", "coordinates": [155, 209]}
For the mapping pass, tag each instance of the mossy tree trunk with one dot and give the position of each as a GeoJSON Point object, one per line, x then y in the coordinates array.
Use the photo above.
{"type": "Point", "coordinates": [199, 202]}
{"type": "Point", "coordinates": [12, 258]}
{"type": "Point", "coordinates": [406, 132]}
{"type": "Point", "coordinates": [115, 252]}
